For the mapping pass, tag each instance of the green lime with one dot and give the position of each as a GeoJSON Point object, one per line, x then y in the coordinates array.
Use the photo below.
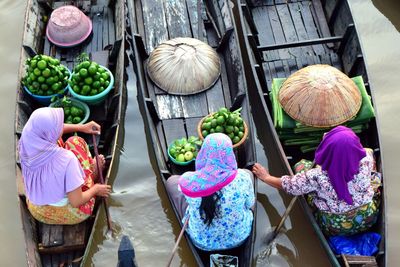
{"type": "Point", "coordinates": [223, 110]}
{"type": "Point", "coordinates": [96, 85]}
{"type": "Point", "coordinates": [33, 63]}
{"type": "Point", "coordinates": [229, 129]}
{"type": "Point", "coordinates": [85, 64]}
{"type": "Point", "coordinates": [208, 119]}
{"type": "Point", "coordinates": [83, 72]}
{"type": "Point", "coordinates": [40, 92]}
{"type": "Point", "coordinates": [206, 126]}
{"type": "Point", "coordinates": [32, 77]}
{"type": "Point", "coordinates": [236, 139]}
{"type": "Point", "coordinates": [101, 89]}
{"type": "Point", "coordinates": [35, 85]}
{"type": "Point", "coordinates": [41, 79]}
{"type": "Point", "coordinates": [105, 76]}
{"type": "Point", "coordinates": [37, 72]}
{"type": "Point", "coordinates": [180, 158]}
{"type": "Point", "coordinates": [240, 134]}
{"type": "Point", "coordinates": [76, 120]}
{"type": "Point", "coordinates": [88, 80]}
{"type": "Point", "coordinates": [85, 90]}
{"type": "Point", "coordinates": [101, 70]}
{"type": "Point", "coordinates": [50, 80]}
{"type": "Point", "coordinates": [44, 87]}
{"type": "Point", "coordinates": [56, 86]}
{"type": "Point", "coordinates": [93, 92]}
{"type": "Point", "coordinates": [46, 73]}
{"type": "Point", "coordinates": [219, 129]}
{"type": "Point", "coordinates": [204, 133]}
{"type": "Point", "coordinates": [172, 151]}
{"type": "Point", "coordinates": [231, 135]}
{"type": "Point", "coordinates": [74, 111]}
{"type": "Point", "coordinates": [220, 120]}
{"type": "Point", "coordinates": [42, 64]}
{"type": "Point", "coordinates": [92, 69]}
{"type": "Point", "coordinates": [239, 122]}
{"type": "Point", "coordinates": [67, 111]}
{"type": "Point", "coordinates": [212, 130]}
{"type": "Point", "coordinates": [76, 89]}
{"type": "Point", "coordinates": [50, 92]}
{"type": "Point", "coordinates": [106, 84]}
{"type": "Point", "coordinates": [213, 123]}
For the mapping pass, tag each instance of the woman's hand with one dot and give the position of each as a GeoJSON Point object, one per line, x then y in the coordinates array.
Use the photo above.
{"type": "Point", "coordinates": [91, 128]}
{"type": "Point", "coordinates": [102, 190]}
{"type": "Point", "coordinates": [263, 174]}
{"type": "Point", "coordinates": [260, 172]}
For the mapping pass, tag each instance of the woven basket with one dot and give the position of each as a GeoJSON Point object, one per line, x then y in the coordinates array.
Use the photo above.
{"type": "Point", "coordinates": [245, 133]}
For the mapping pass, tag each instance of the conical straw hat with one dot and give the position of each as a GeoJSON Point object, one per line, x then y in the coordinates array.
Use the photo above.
{"type": "Point", "coordinates": [320, 96]}
{"type": "Point", "coordinates": [184, 66]}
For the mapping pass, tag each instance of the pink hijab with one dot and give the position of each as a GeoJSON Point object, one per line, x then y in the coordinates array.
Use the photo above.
{"type": "Point", "coordinates": [49, 171]}
{"type": "Point", "coordinates": [216, 167]}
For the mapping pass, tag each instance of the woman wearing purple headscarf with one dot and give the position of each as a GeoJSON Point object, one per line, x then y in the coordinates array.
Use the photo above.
{"type": "Point", "coordinates": [339, 187]}
{"type": "Point", "coordinates": [58, 178]}
{"type": "Point", "coordinates": [216, 198]}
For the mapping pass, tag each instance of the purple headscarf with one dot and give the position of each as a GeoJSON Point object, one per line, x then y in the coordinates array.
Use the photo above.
{"type": "Point", "coordinates": [216, 167]}
{"type": "Point", "coordinates": [45, 165]}
{"type": "Point", "coordinates": [339, 154]}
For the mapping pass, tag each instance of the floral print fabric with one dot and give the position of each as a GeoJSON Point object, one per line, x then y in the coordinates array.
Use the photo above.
{"type": "Point", "coordinates": [68, 214]}
{"type": "Point", "coordinates": [233, 225]}
{"type": "Point", "coordinates": [316, 181]}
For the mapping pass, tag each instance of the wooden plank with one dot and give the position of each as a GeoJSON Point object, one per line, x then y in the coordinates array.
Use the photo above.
{"type": "Point", "coordinates": [299, 26]}
{"type": "Point", "coordinates": [169, 106]}
{"type": "Point", "coordinates": [288, 28]}
{"type": "Point", "coordinates": [194, 8]}
{"type": "Point", "coordinates": [173, 129]}
{"type": "Point", "coordinates": [105, 38]}
{"type": "Point", "coordinates": [29, 228]}
{"type": "Point", "coordinates": [178, 23]}
{"type": "Point", "coordinates": [55, 260]}
{"type": "Point", "coordinates": [191, 126]}
{"type": "Point", "coordinates": [215, 97]}
{"type": "Point", "coordinates": [52, 235]}
{"type": "Point", "coordinates": [155, 23]}
{"type": "Point", "coordinates": [310, 26]}
{"type": "Point", "coordinates": [277, 30]}
{"type": "Point", "coordinates": [225, 85]}
{"type": "Point", "coordinates": [280, 71]}
{"type": "Point", "coordinates": [100, 18]}
{"type": "Point", "coordinates": [265, 34]}
{"type": "Point", "coordinates": [320, 15]}
{"type": "Point", "coordinates": [96, 24]}
{"type": "Point", "coordinates": [111, 27]}
{"type": "Point", "coordinates": [46, 260]}
{"type": "Point", "coordinates": [194, 105]}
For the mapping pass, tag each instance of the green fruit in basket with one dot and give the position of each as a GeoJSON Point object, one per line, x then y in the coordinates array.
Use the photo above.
{"type": "Point", "coordinates": [33, 63]}
{"type": "Point", "coordinates": [37, 72]}
{"type": "Point", "coordinates": [236, 139]}
{"type": "Point", "coordinates": [105, 76]}
{"type": "Point", "coordinates": [50, 92]}
{"type": "Point", "coordinates": [76, 89]}
{"type": "Point", "coordinates": [44, 87]}
{"type": "Point", "coordinates": [101, 70]}
{"type": "Point", "coordinates": [67, 111]}
{"type": "Point", "coordinates": [219, 129]}
{"type": "Point", "coordinates": [83, 73]}
{"type": "Point", "coordinates": [42, 64]}
{"type": "Point", "coordinates": [74, 111]}
{"type": "Point", "coordinates": [240, 134]}
{"type": "Point", "coordinates": [212, 130]}
{"type": "Point", "coordinates": [204, 133]}
{"type": "Point", "coordinates": [229, 129]}
{"type": "Point", "coordinates": [172, 151]}
{"type": "Point", "coordinates": [92, 69]}
{"type": "Point", "coordinates": [93, 92]}
{"type": "Point", "coordinates": [46, 72]}
{"type": "Point", "coordinates": [85, 90]}
{"type": "Point", "coordinates": [96, 85]}
{"type": "Point", "coordinates": [101, 89]}
{"type": "Point", "coordinates": [41, 79]}
{"type": "Point", "coordinates": [231, 136]}
{"type": "Point", "coordinates": [214, 123]}
{"type": "Point", "coordinates": [220, 120]}
{"type": "Point", "coordinates": [76, 120]}
{"type": "Point", "coordinates": [188, 155]}
{"type": "Point", "coordinates": [88, 80]}
{"type": "Point", "coordinates": [188, 147]}
{"type": "Point", "coordinates": [180, 158]}
{"type": "Point", "coordinates": [85, 64]}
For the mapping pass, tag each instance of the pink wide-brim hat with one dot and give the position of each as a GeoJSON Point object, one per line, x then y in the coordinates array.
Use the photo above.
{"type": "Point", "coordinates": [68, 26]}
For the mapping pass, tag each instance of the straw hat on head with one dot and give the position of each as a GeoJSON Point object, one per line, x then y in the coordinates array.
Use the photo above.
{"type": "Point", "coordinates": [184, 66]}
{"type": "Point", "coordinates": [320, 96]}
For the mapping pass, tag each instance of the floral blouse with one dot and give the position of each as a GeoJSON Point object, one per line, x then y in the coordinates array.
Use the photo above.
{"type": "Point", "coordinates": [233, 225]}
{"type": "Point", "coordinates": [316, 181]}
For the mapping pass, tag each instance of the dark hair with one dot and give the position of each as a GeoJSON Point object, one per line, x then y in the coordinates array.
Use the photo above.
{"type": "Point", "coordinates": [208, 207]}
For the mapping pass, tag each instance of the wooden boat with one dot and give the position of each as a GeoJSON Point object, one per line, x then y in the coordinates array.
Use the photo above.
{"type": "Point", "coordinates": [50, 245]}
{"type": "Point", "coordinates": [168, 117]}
{"type": "Point", "coordinates": [281, 37]}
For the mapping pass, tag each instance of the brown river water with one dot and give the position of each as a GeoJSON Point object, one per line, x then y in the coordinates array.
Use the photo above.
{"type": "Point", "coordinates": [139, 206]}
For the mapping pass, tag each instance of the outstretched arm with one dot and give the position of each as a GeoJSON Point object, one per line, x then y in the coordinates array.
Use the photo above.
{"type": "Point", "coordinates": [262, 173]}
{"type": "Point", "coordinates": [89, 128]}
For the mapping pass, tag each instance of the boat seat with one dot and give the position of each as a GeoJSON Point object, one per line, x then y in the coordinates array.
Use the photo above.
{"type": "Point", "coordinates": [364, 261]}
{"type": "Point", "coordinates": [61, 238]}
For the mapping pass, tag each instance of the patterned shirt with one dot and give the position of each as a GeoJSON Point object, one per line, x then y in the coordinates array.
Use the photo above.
{"type": "Point", "coordinates": [316, 181]}
{"type": "Point", "coordinates": [233, 224]}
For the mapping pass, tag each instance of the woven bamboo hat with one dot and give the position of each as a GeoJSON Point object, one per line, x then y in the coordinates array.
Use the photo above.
{"type": "Point", "coordinates": [320, 96]}
{"type": "Point", "coordinates": [184, 66]}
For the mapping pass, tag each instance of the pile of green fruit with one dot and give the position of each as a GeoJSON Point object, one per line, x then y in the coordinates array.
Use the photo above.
{"type": "Point", "coordinates": [89, 78]}
{"type": "Point", "coordinates": [45, 76]}
{"type": "Point", "coordinates": [224, 121]}
{"type": "Point", "coordinates": [72, 113]}
{"type": "Point", "coordinates": [184, 150]}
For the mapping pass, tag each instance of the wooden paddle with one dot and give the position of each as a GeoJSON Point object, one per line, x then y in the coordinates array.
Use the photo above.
{"type": "Point", "coordinates": [177, 242]}
{"type": "Point", "coordinates": [100, 173]}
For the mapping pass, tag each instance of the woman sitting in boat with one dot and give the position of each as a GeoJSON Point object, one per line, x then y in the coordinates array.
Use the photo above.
{"type": "Point", "coordinates": [340, 187]}
{"type": "Point", "coordinates": [217, 198]}
{"type": "Point", "coordinates": [59, 178]}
